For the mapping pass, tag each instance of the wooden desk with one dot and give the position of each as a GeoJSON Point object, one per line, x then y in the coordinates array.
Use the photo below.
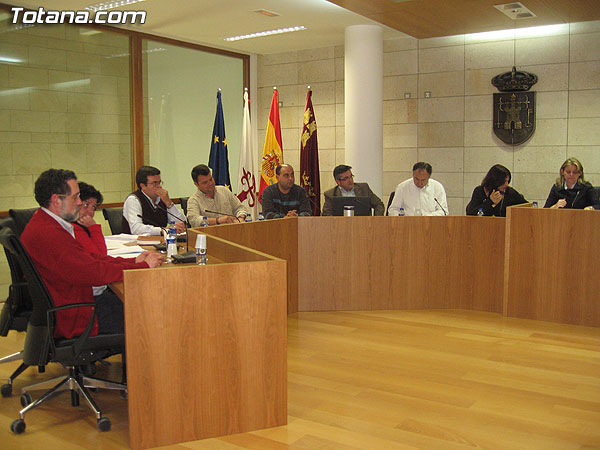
{"type": "Point", "coordinates": [206, 347]}
{"type": "Point", "coordinates": [362, 263]}
{"type": "Point", "coordinates": [536, 263]}
{"type": "Point", "coordinates": [552, 272]}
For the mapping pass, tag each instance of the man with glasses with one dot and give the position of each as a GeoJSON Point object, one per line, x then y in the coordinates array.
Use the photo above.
{"type": "Point", "coordinates": [346, 187]}
{"type": "Point", "coordinates": [67, 268]}
{"type": "Point", "coordinates": [149, 209]}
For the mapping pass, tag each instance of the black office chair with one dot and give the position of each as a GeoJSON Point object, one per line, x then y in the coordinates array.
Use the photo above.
{"type": "Point", "coordinates": [21, 218]}
{"type": "Point", "coordinates": [71, 353]}
{"type": "Point", "coordinates": [183, 201]}
{"type": "Point", "coordinates": [596, 195]}
{"type": "Point", "coordinates": [387, 210]}
{"type": "Point", "coordinates": [15, 312]}
{"type": "Point", "coordinates": [114, 216]}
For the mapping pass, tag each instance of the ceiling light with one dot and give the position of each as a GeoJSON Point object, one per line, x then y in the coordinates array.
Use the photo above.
{"type": "Point", "coordinates": [265, 33]}
{"type": "Point", "coordinates": [515, 10]}
{"type": "Point", "coordinates": [110, 5]}
{"type": "Point", "coordinates": [264, 12]}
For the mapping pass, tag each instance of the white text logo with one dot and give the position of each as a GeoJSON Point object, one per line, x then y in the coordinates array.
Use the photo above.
{"type": "Point", "coordinates": [41, 16]}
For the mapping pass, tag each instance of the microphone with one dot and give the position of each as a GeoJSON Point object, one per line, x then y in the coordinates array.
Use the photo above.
{"type": "Point", "coordinates": [151, 222]}
{"type": "Point", "coordinates": [574, 200]}
{"type": "Point", "coordinates": [185, 224]}
{"type": "Point", "coordinates": [219, 213]}
{"type": "Point", "coordinates": [436, 200]}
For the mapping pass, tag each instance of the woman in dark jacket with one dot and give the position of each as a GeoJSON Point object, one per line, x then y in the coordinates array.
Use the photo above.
{"type": "Point", "coordinates": [571, 190]}
{"type": "Point", "coordinates": [494, 194]}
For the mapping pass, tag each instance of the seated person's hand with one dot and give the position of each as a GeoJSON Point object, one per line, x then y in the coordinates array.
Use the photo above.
{"type": "Point", "coordinates": [292, 213]}
{"type": "Point", "coordinates": [560, 204]}
{"type": "Point", "coordinates": [153, 259]}
{"type": "Point", "coordinates": [496, 197]}
{"type": "Point", "coordinates": [180, 227]}
{"type": "Point", "coordinates": [226, 219]}
{"type": "Point", "coordinates": [241, 219]}
{"type": "Point", "coordinates": [86, 221]}
{"type": "Point", "coordinates": [589, 208]}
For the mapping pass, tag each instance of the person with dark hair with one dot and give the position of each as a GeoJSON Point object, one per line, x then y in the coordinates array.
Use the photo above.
{"type": "Point", "coordinates": [68, 269]}
{"type": "Point", "coordinates": [149, 209]}
{"type": "Point", "coordinates": [284, 198]}
{"type": "Point", "coordinates": [208, 197]}
{"type": "Point", "coordinates": [571, 190]}
{"type": "Point", "coordinates": [420, 195]}
{"type": "Point", "coordinates": [494, 194]}
{"type": "Point", "coordinates": [346, 187]}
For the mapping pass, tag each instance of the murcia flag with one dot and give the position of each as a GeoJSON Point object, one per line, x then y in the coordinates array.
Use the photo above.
{"type": "Point", "coordinates": [273, 151]}
{"type": "Point", "coordinates": [218, 160]}
{"type": "Point", "coordinates": [246, 176]}
{"type": "Point", "coordinates": [309, 157]}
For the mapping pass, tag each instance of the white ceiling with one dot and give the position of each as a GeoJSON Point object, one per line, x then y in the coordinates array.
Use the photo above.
{"type": "Point", "coordinates": [209, 21]}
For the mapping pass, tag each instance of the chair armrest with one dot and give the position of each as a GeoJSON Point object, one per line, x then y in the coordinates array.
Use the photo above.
{"type": "Point", "coordinates": [82, 339]}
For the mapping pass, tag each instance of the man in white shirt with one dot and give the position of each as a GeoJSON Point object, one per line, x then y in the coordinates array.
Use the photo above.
{"type": "Point", "coordinates": [149, 209]}
{"type": "Point", "coordinates": [420, 195]}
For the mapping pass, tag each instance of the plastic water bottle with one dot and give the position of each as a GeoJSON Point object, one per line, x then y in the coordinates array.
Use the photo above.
{"type": "Point", "coordinates": [401, 212]}
{"type": "Point", "coordinates": [204, 222]}
{"type": "Point", "coordinates": [534, 205]}
{"type": "Point", "coordinates": [261, 216]}
{"type": "Point", "coordinates": [480, 212]}
{"type": "Point", "coordinates": [201, 258]}
{"type": "Point", "coordinates": [171, 240]}
{"type": "Point", "coordinates": [248, 218]}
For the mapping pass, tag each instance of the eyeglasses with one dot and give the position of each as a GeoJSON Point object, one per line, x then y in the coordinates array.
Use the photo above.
{"type": "Point", "coordinates": [87, 205]}
{"type": "Point", "coordinates": [346, 178]}
{"type": "Point", "coordinates": [155, 183]}
{"type": "Point", "coordinates": [74, 196]}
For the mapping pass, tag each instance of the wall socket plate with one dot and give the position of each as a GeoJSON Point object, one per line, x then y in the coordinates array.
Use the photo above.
{"type": "Point", "coordinates": [407, 95]}
{"type": "Point", "coordinates": [427, 94]}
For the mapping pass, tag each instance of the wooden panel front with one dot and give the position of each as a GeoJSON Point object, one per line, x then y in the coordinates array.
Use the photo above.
{"type": "Point", "coordinates": [551, 270]}
{"type": "Point", "coordinates": [206, 351]}
{"type": "Point", "coordinates": [278, 237]}
{"type": "Point", "coordinates": [363, 263]}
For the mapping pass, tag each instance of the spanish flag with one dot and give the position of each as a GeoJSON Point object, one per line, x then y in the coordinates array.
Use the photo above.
{"type": "Point", "coordinates": [273, 150]}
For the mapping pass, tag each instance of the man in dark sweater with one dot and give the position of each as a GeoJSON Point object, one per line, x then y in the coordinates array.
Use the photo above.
{"type": "Point", "coordinates": [285, 199]}
{"type": "Point", "coordinates": [151, 201]}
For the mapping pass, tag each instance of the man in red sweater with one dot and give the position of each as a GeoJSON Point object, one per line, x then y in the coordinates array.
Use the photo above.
{"type": "Point", "coordinates": [67, 268]}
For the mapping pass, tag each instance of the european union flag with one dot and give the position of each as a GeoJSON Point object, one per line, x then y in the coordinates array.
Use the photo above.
{"type": "Point", "coordinates": [218, 160]}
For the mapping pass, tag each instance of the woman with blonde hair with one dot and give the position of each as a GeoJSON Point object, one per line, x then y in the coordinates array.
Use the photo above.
{"type": "Point", "coordinates": [571, 190]}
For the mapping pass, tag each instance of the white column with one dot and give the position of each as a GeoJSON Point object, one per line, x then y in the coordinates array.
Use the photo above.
{"type": "Point", "coordinates": [363, 72]}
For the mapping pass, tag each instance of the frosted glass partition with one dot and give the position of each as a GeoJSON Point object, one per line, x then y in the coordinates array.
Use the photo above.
{"type": "Point", "coordinates": [64, 103]}
{"type": "Point", "coordinates": [180, 90]}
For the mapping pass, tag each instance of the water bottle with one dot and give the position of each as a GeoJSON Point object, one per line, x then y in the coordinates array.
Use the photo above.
{"type": "Point", "coordinates": [171, 240]}
{"type": "Point", "coordinates": [401, 212]}
{"type": "Point", "coordinates": [248, 218]}
{"type": "Point", "coordinates": [534, 205]}
{"type": "Point", "coordinates": [201, 258]}
{"type": "Point", "coordinates": [480, 212]}
{"type": "Point", "coordinates": [261, 216]}
{"type": "Point", "coordinates": [204, 222]}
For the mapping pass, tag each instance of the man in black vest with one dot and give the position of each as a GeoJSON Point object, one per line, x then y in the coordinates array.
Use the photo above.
{"type": "Point", "coordinates": [151, 202]}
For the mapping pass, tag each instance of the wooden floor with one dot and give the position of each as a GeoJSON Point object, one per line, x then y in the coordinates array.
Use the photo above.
{"type": "Point", "coordinates": [387, 380]}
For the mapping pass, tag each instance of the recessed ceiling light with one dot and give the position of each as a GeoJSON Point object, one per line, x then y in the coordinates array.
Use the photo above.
{"type": "Point", "coordinates": [265, 33]}
{"type": "Point", "coordinates": [110, 5]}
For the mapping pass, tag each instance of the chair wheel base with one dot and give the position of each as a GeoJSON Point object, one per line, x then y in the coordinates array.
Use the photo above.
{"type": "Point", "coordinates": [26, 399]}
{"type": "Point", "coordinates": [103, 424]}
{"type": "Point", "coordinates": [6, 390]}
{"type": "Point", "coordinates": [17, 426]}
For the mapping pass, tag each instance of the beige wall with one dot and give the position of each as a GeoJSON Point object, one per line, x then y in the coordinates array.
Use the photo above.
{"type": "Point", "coordinates": [452, 129]}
